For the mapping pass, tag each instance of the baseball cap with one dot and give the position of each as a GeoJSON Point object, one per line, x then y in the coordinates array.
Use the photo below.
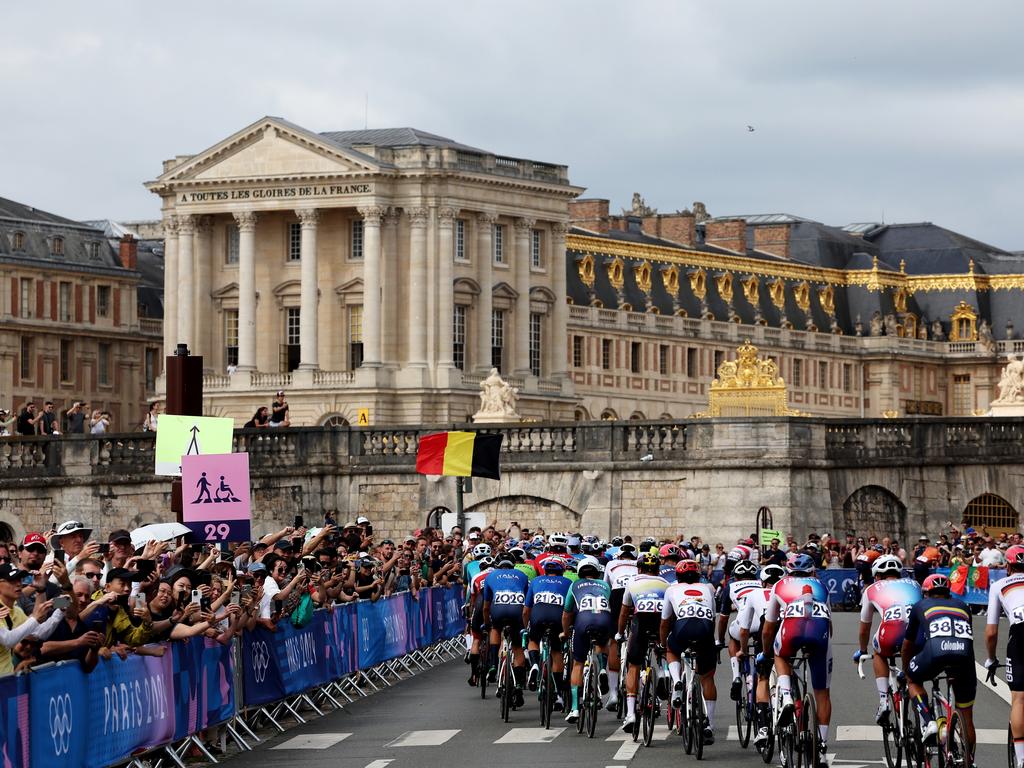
{"type": "Point", "coordinates": [280, 391]}
{"type": "Point", "coordinates": [474, 536]}
{"type": "Point", "coordinates": [283, 544]}
{"type": "Point", "coordinates": [122, 573]}
{"type": "Point", "coordinates": [360, 520]}
{"type": "Point", "coordinates": [119, 535]}
{"type": "Point", "coordinates": [11, 572]}
{"type": "Point", "coordinates": [34, 539]}
{"type": "Point", "coordinates": [387, 541]}
{"type": "Point", "coordinates": [72, 526]}
{"type": "Point", "coordinates": [257, 568]}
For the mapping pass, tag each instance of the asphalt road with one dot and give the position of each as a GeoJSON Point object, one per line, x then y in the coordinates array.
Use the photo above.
{"type": "Point", "coordinates": [434, 720]}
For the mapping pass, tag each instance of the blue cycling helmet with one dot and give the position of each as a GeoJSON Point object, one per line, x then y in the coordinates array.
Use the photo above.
{"type": "Point", "coordinates": [554, 565]}
{"type": "Point", "coordinates": [800, 562]}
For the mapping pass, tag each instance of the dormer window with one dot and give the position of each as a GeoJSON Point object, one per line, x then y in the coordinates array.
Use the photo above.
{"type": "Point", "coordinates": [94, 251]}
{"type": "Point", "coordinates": [19, 241]}
{"type": "Point", "coordinates": [57, 247]}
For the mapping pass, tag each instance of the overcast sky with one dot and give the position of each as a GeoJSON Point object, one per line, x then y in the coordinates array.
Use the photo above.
{"type": "Point", "coordinates": [908, 110]}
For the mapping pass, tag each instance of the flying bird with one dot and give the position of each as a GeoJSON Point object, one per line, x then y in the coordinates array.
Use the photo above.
{"type": "Point", "coordinates": [750, 128]}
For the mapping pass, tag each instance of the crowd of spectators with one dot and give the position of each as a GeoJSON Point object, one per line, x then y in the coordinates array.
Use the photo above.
{"type": "Point", "coordinates": [50, 420]}
{"type": "Point", "coordinates": [273, 417]}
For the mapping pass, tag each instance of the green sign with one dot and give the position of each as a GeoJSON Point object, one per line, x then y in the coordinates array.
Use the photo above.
{"type": "Point", "coordinates": [179, 436]}
{"type": "Point", "coordinates": [767, 534]}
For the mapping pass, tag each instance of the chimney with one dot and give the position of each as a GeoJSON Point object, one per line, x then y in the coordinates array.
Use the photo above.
{"type": "Point", "coordinates": [730, 234]}
{"type": "Point", "coordinates": [773, 239]}
{"type": "Point", "coordinates": [129, 252]}
{"type": "Point", "coordinates": [589, 214]}
{"type": "Point", "coordinates": [677, 227]}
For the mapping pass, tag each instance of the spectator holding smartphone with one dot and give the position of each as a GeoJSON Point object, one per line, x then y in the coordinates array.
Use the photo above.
{"type": "Point", "coordinates": [76, 418]}
{"type": "Point", "coordinates": [279, 412]}
{"type": "Point", "coordinates": [15, 626]}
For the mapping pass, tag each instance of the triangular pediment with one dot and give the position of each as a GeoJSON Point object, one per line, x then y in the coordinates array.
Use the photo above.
{"type": "Point", "coordinates": [267, 149]}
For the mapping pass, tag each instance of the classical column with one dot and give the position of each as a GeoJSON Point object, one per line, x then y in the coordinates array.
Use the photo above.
{"type": "Point", "coordinates": [308, 291]}
{"type": "Point", "coordinates": [170, 284]}
{"type": "Point", "coordinates": [246, 221]}
{"type": "Point", "coordinates": [202, 307]}
{"type": "Point", "coordinates": [521, 319]}
{"type": "Point", "coordinates": [417, 286]}
{"type": "Point", "coordinates": [186, 283]}
{"type": "Point", "coordinates": [446, 297]}
{"type": "Point", "coordinates": [558, 334]}
{"type": "Point", "coordinates": [391, 302]}
{"type": "Point", "coordinates": [485, 263]}
{"type": "Point", "coordinates": [372, 215]}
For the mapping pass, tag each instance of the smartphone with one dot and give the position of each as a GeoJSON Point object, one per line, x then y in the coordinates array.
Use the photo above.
{"type": "Point", "coordinates": [140, 600]}
{"type": "Point", "coordinates": [58, 555]}
{"type": "Point", "coordinates": [301, 566]}
{"type": "Point", "coordinates": [197, 597]}
{"type": "Point", "coordinates": [61, 602]}
{"type": "Point", "coordinates": [104, 549]}
{"type": "Point", "coordinates": [246, 590]}
{"type": "Point", "coordinates": [298, 521]}
{"type": "Point", "coordinates": [235, 598]}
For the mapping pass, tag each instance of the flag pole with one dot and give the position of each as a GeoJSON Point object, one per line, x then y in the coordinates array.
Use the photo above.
{"type": "Point", "coordinates": [459, 514]}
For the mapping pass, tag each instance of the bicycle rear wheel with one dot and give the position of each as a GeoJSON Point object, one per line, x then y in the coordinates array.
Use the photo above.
{"type": "Point", "coordinates": [892, 735]}
{"type": "Point", "coordinates": [687, 725]}
{"type": "Point", "coordinates": [648, 708]}
{"type": "Point", "coordinates": [581, 720]}
{"type": "Point", "coordinates": [547, 702]}
{"type": "Point", "coordinates": [506, 693]}
{"type": "Point", "coordinates": [593, 697]}
{"type": "Point", "coordinates": [697, 717]}
{"type": "Point", "coordinates": [809, 730]}
{"type": "Point", "coordinates": [958, 750]}
{"type": "Point", "coordinates": [768, 750]}
{"type": "Point", "coordinates": [744, 711]}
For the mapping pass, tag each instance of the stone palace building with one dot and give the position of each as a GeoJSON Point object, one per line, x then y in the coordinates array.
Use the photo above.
{"type": "Point", "coordinates": [391, 269]}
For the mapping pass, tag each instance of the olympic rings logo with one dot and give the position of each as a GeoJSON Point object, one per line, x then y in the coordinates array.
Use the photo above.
{"type": "Point", "coordinates": [61, 722]}
{"type": "Point", "coordinates": [260, 661]}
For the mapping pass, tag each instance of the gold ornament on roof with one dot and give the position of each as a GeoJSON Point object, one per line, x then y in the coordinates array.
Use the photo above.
{"type": "Point", "coordinates": [750, 289]}
{"type": "Point", "coordinates": [777, 290]}
{"type": "Point", "coordinates": [616, 273]}
{"type": "Point", "coordinates": [899, 300]}
{"type": "Point", "coordinates": [642, 273]}
{"type": "Point", "coordinates": [724, 285]}
{"type": "Point", "coordinates": [827, 299]}
{"type": "Point", "coordinates": [671, 280]}
{"type": "Point", "coordinates": [802, 296]}
{"type": "Point", "coordinates": [748, 386]}
{"type": "Point", "coordinates": [698, 284]}
{"type": "Point", "coordinates": [963, 323]}
{"type": "Point", "coordinates": [586, 270]}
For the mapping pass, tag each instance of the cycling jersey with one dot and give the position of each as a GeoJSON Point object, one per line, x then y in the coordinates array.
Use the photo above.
{"type": "Point", "coordinates": [617, 574]}
{"type": "Point", "coordinates": [800, 604]}
{"type": "Point", "coordinates": [751, 617]}
{"type": "Point", "coordinates": [505, 589]}
{"type": "Point", "coordinates": [527, 569]}
{"type": "Point", "coordinates": [668, 572]}
{"type": "Point", "coordinates": [942, 635]}
{"type": "Point", "coordinates": [470, 569]}
{"type": "Point", "coordinates": [646, 596]}
{"type": "Point", "coordinates": [691, 609]}
{"type": "Point", "coordinates": [1006, 596]}
{"type": "Point", "coordinates": [735, 595]}
{"type": "Point", "coordinates": [475, 598]}
{"type": "Point", "coordinates": [546, 600]}
{"type": "Point", "coordinates": [892, 600]}
{"type": "Point", "coordinates": [590, 600]}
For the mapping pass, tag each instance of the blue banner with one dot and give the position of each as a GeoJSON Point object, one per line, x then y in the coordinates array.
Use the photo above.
{"type": "Point", "coordinates": [14, 733]}
{"type": "Point", "coordinates": [59, 708]}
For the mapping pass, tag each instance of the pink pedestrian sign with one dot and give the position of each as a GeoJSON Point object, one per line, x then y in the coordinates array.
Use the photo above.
{"type": "Point", "coordinates": [215, 496]}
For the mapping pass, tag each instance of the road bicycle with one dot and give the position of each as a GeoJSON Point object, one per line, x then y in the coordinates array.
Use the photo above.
{"type": "Point", "coordinates": [547, 691]}
{"type": "Point", "coordinates": [950, 749]}
{"type": "Point", "coordinates": [797, 735]}
{"type": "Point", "coordinates": [620, 705]}
{"type": "Point", "coordinates": [693, 714]}
{"type": "Point", "coordinates": [505, 683]}
{"type": "Point", "coordinates": [1011, 757]}
{"type": "Point", "coordinates": [590, 700]}
{"type": "Point", "coordinates": [746, 704]}
{"type": "Point", "coordinates": [897, 730]}
{"type": "Point", "coordinates": [647, 706]}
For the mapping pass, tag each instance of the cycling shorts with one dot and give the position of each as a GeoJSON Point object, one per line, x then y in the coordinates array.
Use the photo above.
{"type": "Point", "coordinates": [513, 622]}
{"type": "Point", "coordinates": [1015, 658]}
{"type": "Point", "coordinates": [538, 628]}
{"type": "Point", "coordinates": [596, 627]}
{"type": "Point", "coordinates": [697, 635]}
{"type": "Point", "coordinates": [888, 639]}
{"type": "Point", "coordinates": [644, 631]}
{"type": "Point", "coordinates": [811, 635]}
{"type": "Point", "coordinates": [476, 622]}
{"type": "Point", "coordinates": [615, 603]}
{"type": "Point", "coordinates": [931, 661]}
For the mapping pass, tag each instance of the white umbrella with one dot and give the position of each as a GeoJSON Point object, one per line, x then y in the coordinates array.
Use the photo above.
{"type": "Point", "coordinates": [158, 532]}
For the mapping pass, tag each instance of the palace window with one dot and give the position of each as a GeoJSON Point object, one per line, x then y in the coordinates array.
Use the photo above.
{"type": "Point", "coordinates": [962, 400]}
{"type": "Point", "coordinates": [822, 374]}
{"type": "Point", "coordinates": [24, 306]}
{"type": "Point", "coordinates": [294, 241]}
{"type": "Point", "coordinates": [150, 369]}
{"type": "Point", "coordinates": [460, 240]}
{"type": "Point", "coordinates": [230, 337]}
{"type": "Point", "coordinates": [577, 351]}
{"type": "Point", "coordinates": [94, 251]}
{"type": "Point", "coordinates": [536, 240]}
{"type": "Point", "coordinates": [57, 246]}
{"type": "Point", "coordinates": [719, 357]}
{"type": "Point", "coordinates": [606, 354]}
{"type": "Point", "coordinates": [459, 337]}
{"type": "Point", "coordinates": [635, 353]}
{"type": "Point", "coordinates": [355, 337]}
{"type": "Point", "coordinates": [103, 365]}
{"type": "Point", "coordinates": [19, 241]}
{"type": "Point", "coordinates": [691, 363]}
{"type": "Point", "coordinates": [497, 338]}
{"type": "Point", "coordinates": [26, 358]}
{"type": "Point", "coordinates": [499, 244]}
{"type": "Point", "coordinates": [103, 300]}
{"type": "Point", "coordinates": [663, 359]}
{"type": "Point", "coordinates": [233, 244]}
{"type": "Point", "coordinates": [847, 377]}
{"type": "Point", "coordinates": [798, 372]}
{"type": "Point", "coordinates": [64, 303]}
{"type": "Point", "coordinates": [357, 239]}
{"type": "Point", "coordinates": [535, 348]}
{"type": "Point", "coordinates": [66, 352]}
{"type": "Point", "coordinates": [291, 350]}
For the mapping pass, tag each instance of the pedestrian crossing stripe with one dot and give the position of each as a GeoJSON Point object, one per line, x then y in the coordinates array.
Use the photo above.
{"type": "Point", "coordinates": [423, 738]}
{"type": "Point", "coordinates": [313, 741]}
{"type": "Point", "coordinates": [530, 736]}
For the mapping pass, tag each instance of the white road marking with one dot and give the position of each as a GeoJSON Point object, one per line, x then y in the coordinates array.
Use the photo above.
{"type": "Point", "coordinates": [874, 733]}
{"type": "Point", "coordinates": [379, 763]}
{"type": "Point", "coordinates": [422, 738]}
{"type": "Point", "coordinates": [530, 736]}
{"type": "Point", "coordinates": [660, 733]}
{"type": "Point", "coordinates": [313, 741]}
{"type": "Point", "coordinates": [1000, 689]}
{"type": "Point", "coordinates": [627, 750]}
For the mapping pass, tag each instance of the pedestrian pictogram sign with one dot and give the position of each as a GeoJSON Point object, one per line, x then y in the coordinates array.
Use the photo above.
{"type": "Point", "coordinates": [189, 436]}
{"type": "Point", "coordinates": [215, 496]}
{"type": "Point", "coordinates": [363, 417]}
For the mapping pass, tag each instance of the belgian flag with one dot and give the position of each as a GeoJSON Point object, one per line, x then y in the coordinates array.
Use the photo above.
{"type": "Point", "coordinates": [462, 454]}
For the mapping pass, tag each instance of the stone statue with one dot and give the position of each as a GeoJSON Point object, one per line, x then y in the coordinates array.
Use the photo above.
{"type": "Point", "coordinates": [858, 327]}
{"type": "Point", "coordinates": [497, 400]}
{"type": "Point", "coordinates": [937, 334]}
{"type": "Point", "coordinates": [985, 340]}
{"type": "Point", "coordinates": [890, 325]}
{"type": "Point", "coordinates": [700, 212]}
{"type": "Point", "coordinates": [876, 324]}
{"type": "Point", "coordinates": [922, 329]}
{"type": "Point", "coordinates": [1011, 383]}
{"type": "Point", "coordinates": [640, 207]}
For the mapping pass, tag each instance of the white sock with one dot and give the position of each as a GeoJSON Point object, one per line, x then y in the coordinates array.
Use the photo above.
{"type": "Point", "coordinates": [734, 663]}
{"type": "Point", "coordinates": [630, 704]}
{"type": "Point", "coordinates": [613, 681]}
{"type": "Point", "coordinates": [823, 733]}
{"type": "Point", "coordinates": [784, 685]}
{"type": "Point", "coordinates": [1018, 750]}
{"type": "Point", "coordinates": [675, 669]}
{"type": "Point", "coordinates": [882, 684]}
{"type": "Point", "coordinates": [469, 642]}
{"type": "Point", "coordinates": [710, 706]}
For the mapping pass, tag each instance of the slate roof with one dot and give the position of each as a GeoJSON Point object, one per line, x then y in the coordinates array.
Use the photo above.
{"type": "Point", "coordinates": [395, 137]}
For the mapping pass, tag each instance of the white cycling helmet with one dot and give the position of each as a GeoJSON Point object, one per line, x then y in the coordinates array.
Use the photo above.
{"type": "Point", "coordinates": [559, 540]}
{"type": "Point", "coordinates": [481, 550]}
{"type": "Point", "coordinates": [589, 562]}
{"type": "Point", "coordinates": [886, 564]}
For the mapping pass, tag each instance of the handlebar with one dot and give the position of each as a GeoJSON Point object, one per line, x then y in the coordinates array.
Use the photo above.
{"type": "Point", "coordinates": [860, 664]}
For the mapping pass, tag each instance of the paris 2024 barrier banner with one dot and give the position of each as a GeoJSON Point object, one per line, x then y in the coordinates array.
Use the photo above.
{"type": "Point", "coordinates": [344, 639]}
{"type": "Point", "coordinates": [58, 715]}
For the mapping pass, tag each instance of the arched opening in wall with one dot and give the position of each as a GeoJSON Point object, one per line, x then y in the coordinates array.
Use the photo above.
{"type": "Point", "coordinates": [6, 534]}
{"type": "Point", "coordinates": [666, 417]}
{"type": "Point", "coordinates": [531, 512]}
{"type": "Point", "coordinates": [334, 420]}
{"type": "Point", "coordinates": [992, 515]}
{"type": "Point", "coordinates": [580, 414]}
{"type": "Point", "coordinates": [872, 510]}
{"type": "Point", "coordinates": [637, 416]}
{"type": "Point", "coordinates": [609, 415]}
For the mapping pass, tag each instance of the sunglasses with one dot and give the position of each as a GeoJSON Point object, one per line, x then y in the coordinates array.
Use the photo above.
{"type": "Point", "coordinates": [93, 575]}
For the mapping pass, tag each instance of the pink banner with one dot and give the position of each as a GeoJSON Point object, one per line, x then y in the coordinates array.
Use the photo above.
{"type": "Point", "coordinates": [215, 487]}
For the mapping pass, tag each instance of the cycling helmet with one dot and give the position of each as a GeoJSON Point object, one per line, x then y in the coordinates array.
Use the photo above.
{"type": "Point", "coordinates": [486, 563]}
{"type": "Point", "coordinates": [687, 570]}
{"type": "Point", "coordinates": [649, 543]}
{"type": "Point", "coordinates": [518, 553]}
{"type": "Point", "coordinates": [558, 542]}
{"type": "Point", "coordinates": [627, 552]}
{"type": "Point", "coordinates": [648, 563]}
{"type": "Point", "coordinates": [1015, 555]}
{"type": "Point", "coordinates": [590, 565]}
{"type": "Point", "coordinates": [737, 553]}
{"type": "Point", "coordinates": [885, 565]}
{"type": "Point", "coordinates": [669, 550]}
{"type": "Point", "coordinates": [588, 548]}
{"type": "Point", "coordinates": [554, 565]}
{"type": "Point", "coordinates": [799, 562]}
{"type": "Point", "coordinates": [772, 573]}
{"type": "Point", "coordinates": [591, 539]}
{"type": "Point", "coordinates": [573, 542]}
{"type": "Point", "coordinates": [935, 583]}
{"type": "Point", "coordinates": [744, 569]}
{"type": "Point", "coordinates": [617, 541]}
{"type": "Point", "coordinates": [481, 550]}
{"type": "Point", "coordinates": [504, 560]}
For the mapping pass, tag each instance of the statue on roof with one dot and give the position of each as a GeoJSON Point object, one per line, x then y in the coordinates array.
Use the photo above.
{"type": "Point", "coordinates": [700, 212]}
{"type": "Point", "coordinates": [985, 339]}
{"type": "Point", "coordinates": [640, 207]}
{"type": "Point", "coordinates": [937, 334]}
{"type": "Point", "coordinates": [858, 327]}
{"type": "Point", "coordinates": [1011, 382]}
{"type": "Point", "coordinates": [891, 327]}
{"type": "Point", "coordinates": [876, 323]}
{"type": "Point", "coordinates": [497, 400]}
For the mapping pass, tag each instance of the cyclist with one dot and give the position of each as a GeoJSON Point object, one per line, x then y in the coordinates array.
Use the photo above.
{"type": "Point", "coordinates": [798, 617]}
{"type": "Point", "coordinates": [545, 602]}
{"type": "Point", "coordinates": [588, 616]}
{"type": "Point", "coordinates": [504, 596]}
{"type": "Point", "coordinates": [1006, 596]}
{"type": "Point", "coordinates": [644, 598]}
{"type": "Point", "coordinates": [521, 564]}
{"type": "Point", "coordinates": [891, 597]}
{"type": "Point", "coordinates": [474, 608]}
{"type": "Point", "coordinates": [649, 544]}
{"type": "Point", "coordinates": [557, 547]}
{"type": "Point", "coordinates": [688, 623]}
{"type": "Point", "coordinates": [618, 574]}
{"type": "Point", "coordinates": [864, 562]}
{"type": "Point", "coordinates": [472, 567]}
{"type": "Point", "coordinates": [670, 557]}
{"type": "Point", "coordinates": [750, 622]}
{"type": "Point", "coordinates": [744, 582]}
{"type": "Point", "coordinates": [940, 639]}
